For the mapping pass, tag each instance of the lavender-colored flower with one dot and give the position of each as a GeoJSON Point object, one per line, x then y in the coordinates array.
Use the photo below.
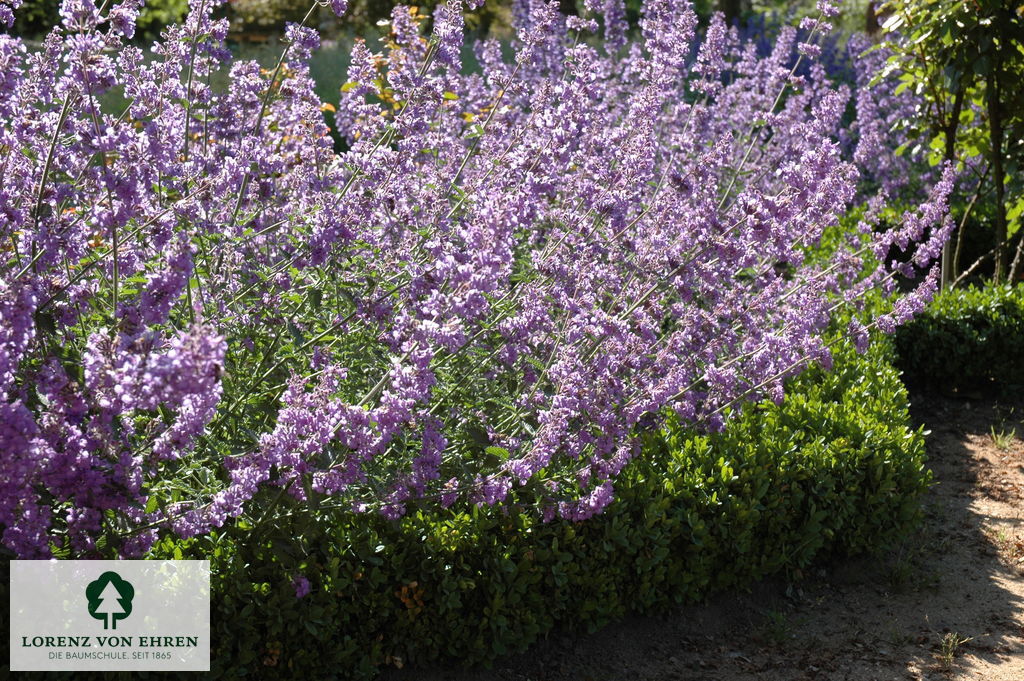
{"type": "Point", "coordinates": [711, 57]}
{"type": "Point", "coordinates": [7, 8]}
{"type": "Point", "coordinates": [122, 17]}
{"type": "Point", "coordinates": [339, 7]}
{"type": "Point", "coordinates": [79, 15]}
{"type": "Point", "coordinates": [303, 41]}
{"type": "Point", "coordinates": [448, 33]}
{"type": "Point", "coordinates": [828, 8]}
{"type": "Point", "coordinates": [17, 330]}
{"type": "Point", "coordinates": [859, 335]}
{"type": "Point", "coordinates": [301, 585]}
{"type": "Point", "coordinates": [613, 16]}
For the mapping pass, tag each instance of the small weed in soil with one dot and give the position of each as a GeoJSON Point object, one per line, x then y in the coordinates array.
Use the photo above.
{"type": "Point", "coordinates": [948, 647]}
{"type": "Point", "coordinates": [1002, 439]}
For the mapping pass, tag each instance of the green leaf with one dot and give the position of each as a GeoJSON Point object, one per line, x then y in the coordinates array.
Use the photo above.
{"type": "Point", "coordinates": [297, 337]}
{"type": "Point", "coordinates": [499, 452]}
{"type": "Point", "coordinates": [893, 23]}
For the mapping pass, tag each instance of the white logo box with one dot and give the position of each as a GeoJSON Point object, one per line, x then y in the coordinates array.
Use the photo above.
{"type": "Point", "coordinates": [110, 615]}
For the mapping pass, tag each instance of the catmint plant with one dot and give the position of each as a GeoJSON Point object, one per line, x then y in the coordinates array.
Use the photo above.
{"type": "Point", "coordinates": [486, 294]}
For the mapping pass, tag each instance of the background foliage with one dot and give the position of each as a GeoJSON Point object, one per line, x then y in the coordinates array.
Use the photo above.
{"type": "Point", "coordinates": [251, 19]}
{"type": "Point", "coordinates": [965, 61]}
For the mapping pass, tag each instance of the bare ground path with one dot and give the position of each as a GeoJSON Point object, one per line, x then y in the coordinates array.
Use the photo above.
{"type": "Point", "coordinates": [947, 605]}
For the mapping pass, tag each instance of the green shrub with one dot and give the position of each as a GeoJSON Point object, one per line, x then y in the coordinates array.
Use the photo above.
{"type": "Point", "coordinates": [967, 339]}
{"type": "Point", "coordinates": [156, 15]}
{"type": "Point", "coordinates": [835, 470]}
{"type": "Point", "coordinates": [264, 14]}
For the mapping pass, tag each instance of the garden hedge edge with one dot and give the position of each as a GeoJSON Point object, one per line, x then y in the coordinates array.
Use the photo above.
{"type": "Point", "coordinates": [835, 470]}
{"type": "Point", "coordinates": [966, 339]}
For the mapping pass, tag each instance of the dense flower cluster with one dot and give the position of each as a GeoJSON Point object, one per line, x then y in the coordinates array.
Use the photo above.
{"type": "Point", "coordinates": [498, 281]}
{"type": "Point", "coordinates": [881, 107]}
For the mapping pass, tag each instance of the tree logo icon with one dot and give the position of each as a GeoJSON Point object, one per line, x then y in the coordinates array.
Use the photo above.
{"type": "Point", "coordinates": [110, 599]}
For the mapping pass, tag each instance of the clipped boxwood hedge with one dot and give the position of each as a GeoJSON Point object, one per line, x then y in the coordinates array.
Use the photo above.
{"type": "Point", "coordinates": [971, 338]}
{"type": "Point", "coordinates": [835, 470]}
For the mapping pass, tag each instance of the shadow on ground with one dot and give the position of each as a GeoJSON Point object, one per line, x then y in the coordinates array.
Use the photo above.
{"type": "Point", "coordinates": [948, 603]}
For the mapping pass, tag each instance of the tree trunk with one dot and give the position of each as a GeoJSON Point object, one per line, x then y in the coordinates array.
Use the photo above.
{"type": "Point", "coordinates": [995, 123]}
{"type": "Point", "coordinates": [1015, 267]}
{"type": "Point", "coordinates": [952, 125]}
{"type": "Point", "coordinates": [871, 22]}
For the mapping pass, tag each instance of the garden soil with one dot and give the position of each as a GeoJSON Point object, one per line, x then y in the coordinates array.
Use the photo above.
{"type": "Point", "coordinates": [946, 605]}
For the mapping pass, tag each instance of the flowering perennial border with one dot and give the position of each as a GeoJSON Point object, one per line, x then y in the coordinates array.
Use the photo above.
{"type": "Point", "coordinates": [498, 281]}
